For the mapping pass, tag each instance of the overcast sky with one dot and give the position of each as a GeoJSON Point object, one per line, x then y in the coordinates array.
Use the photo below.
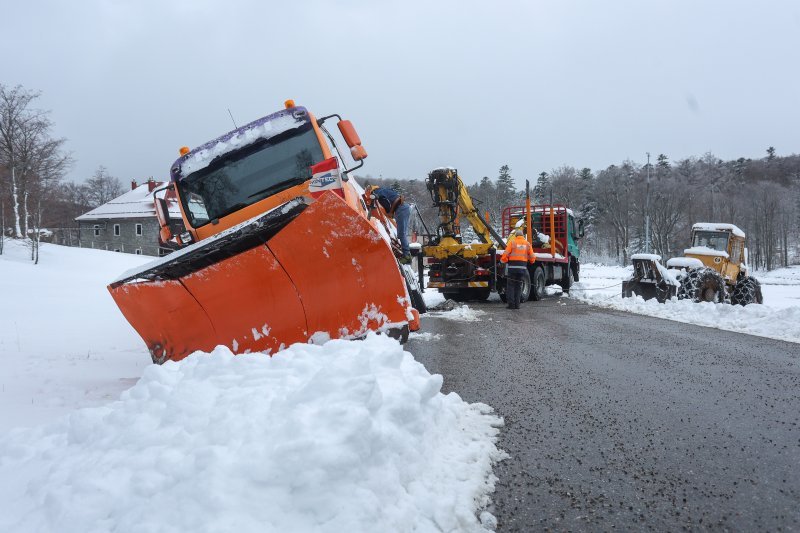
{"type": "Point", "coordinates": [474, 85]}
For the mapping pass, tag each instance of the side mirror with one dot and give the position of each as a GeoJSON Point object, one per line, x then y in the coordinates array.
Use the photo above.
{"type": "Point", "coordinates": [580, 229]}
{"type": "Point", "coordinates": [162, 215]}
{"type": "Point", "coordinates": [352, 139]}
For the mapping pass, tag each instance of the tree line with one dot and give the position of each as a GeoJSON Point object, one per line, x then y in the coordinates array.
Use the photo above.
{"type": "Point", "coordinates": [761, 196]}
{"type": "Point", "coordinates": [34, 199]}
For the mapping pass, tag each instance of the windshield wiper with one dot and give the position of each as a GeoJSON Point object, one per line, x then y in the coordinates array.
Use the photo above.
{"type": "Point", "coordinates": [282, 185]}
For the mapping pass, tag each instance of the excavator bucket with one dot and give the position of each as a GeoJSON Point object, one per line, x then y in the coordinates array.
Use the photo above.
{"type": "Point", "coordinates": [305, 271]}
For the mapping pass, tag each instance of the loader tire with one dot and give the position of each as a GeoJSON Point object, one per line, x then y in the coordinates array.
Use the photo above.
{"type": "Point", "coordinates": [702, 285]}
{"type": "Point", "coordinates": [747, 291]}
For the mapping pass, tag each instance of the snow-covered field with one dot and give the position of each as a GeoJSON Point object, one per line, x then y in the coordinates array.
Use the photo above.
{"type": "Point", "coordinates": [778, 317]}
{"type": "Point", "coordinates": [63, 342]}
{"type": "Point", "coordinates": [348, 436]}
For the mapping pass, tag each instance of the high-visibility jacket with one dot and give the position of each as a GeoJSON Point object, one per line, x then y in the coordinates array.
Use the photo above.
{"type": "Point", "coordinates": [518, 252]}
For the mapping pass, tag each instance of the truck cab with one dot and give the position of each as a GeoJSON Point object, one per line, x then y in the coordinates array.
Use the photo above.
{"type": "Point", "coordinates": [257, 167]}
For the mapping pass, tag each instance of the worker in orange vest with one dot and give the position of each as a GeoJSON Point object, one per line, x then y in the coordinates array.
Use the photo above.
{"type": "Point", "coordinates": [518, 254]}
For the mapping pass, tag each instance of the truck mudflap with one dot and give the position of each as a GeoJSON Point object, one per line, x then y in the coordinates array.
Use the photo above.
{"type": "Point", "coordinates": [302, 272]}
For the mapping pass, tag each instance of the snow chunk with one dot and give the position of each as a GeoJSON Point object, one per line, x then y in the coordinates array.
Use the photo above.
{"type": "Point", "coordinates": [646, 257]}
{"type": "Point", "coordinates": [349, 436]}
{"type": "Point", "coordinates": [685, 262]}
{"type": "Point", "coordinates": [705, 250]}
{"type": "Point", "coordinates": [708, 226]}
{"type": "Point", "coordinates": [461, 313]}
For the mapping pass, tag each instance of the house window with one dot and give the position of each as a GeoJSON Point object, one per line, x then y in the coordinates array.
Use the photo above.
{"type": "Point", "coordinates": [96, 230]}
{"type": "Point", "coordinates": [138, 229]}
{"type": "Point", "coordinates": [116, 230]}
{"type": "Point", "coordinates": [138, 251]}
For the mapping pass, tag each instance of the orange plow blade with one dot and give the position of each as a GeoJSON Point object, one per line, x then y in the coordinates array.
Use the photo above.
{"type": "Point", "coordinates": [301, 272]}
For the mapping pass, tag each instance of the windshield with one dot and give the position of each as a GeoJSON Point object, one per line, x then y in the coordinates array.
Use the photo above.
{"type": "Point", "coordinates": [250, 174]}
{"type": "Point", "coordinates": [716, 240]}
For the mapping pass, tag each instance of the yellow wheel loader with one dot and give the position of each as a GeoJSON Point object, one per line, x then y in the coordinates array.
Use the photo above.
{"type": "Point", "coordinates": [714, 269]}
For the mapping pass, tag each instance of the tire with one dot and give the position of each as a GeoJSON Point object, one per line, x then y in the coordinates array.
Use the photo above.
{"type": "Point", "coordinates": [400, 334]}
{"type": "Point", "coordinates": [568, 279]}
{"type": "Point", "coordinates": [702, 285]}
{"type": "Point", "coordinates": [536, 288]}
{"type": "Point", "coordinates": [480, 295]}
{"type": "Point", "coordinates": [417, 301]}
{"type": "Point", "coordinates": [747, 291]}
{"type": "Point", "coordinates": [525, 292]}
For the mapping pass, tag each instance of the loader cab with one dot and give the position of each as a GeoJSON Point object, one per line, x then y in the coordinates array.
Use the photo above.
{"type": "Point", "coordinates": [714, 240]}
{"type": "Point", "coordinates": [719, 247]}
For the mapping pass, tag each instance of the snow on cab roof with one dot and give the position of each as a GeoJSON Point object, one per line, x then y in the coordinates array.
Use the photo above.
{"type": "Point", "coordinates": [710, 226]}
{"type": "Point", "coordinates": [137, 203]}
{"type": "Point", "coordinates": [263, 128]}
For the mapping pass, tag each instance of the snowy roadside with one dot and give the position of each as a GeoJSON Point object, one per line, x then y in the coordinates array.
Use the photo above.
{"type": "Point", "coordinates": [63, 342]}
{"type": "Point", "coordinates": [348, 436]}
{"type": "Point", "coordinates": [777, 318]}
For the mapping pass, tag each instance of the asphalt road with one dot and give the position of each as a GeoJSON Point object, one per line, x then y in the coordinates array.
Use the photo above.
{"type": "Point", "coordinates": [621, 421]}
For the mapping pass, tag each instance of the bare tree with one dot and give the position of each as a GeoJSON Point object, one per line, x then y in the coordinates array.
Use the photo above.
{"type": "Point", "coordinates": [35, 161]}
{"type": "Point", "coordinates": [102, 187]}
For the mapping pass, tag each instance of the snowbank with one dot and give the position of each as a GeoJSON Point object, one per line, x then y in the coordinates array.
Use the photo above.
{"type": "Point", "coordinates": [778, 318]}
{"type": "Point", "coordinates": [63, 342]}
{"type": "Point", "coordinates": [349, 436]}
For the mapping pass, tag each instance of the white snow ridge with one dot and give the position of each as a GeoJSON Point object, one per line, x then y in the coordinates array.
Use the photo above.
{"type": "Point", "coordinates": [349, 436]}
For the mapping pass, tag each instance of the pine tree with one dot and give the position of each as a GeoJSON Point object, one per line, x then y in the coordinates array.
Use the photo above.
{"type": "Point", "coordinates": [541, 192]}
{"type": "Point", "coordinates": [506, 188]}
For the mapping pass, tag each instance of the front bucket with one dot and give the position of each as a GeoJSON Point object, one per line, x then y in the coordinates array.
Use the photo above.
{"type": "Point", "coordinates": [647, 290]}
{"type": "Point", "coordinates": [299, 272]}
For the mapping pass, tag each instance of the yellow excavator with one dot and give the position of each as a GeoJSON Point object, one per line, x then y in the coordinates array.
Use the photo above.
{"type": "Point", "coordinates": [461, 271]}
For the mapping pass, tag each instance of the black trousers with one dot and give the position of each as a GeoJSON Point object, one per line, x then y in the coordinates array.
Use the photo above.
{"type": "Point", "coordinates": [514, 279]}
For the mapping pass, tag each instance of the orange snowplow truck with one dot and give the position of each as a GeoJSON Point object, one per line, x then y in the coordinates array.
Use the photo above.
{"type": "Point", "coordinates": [279, 248]}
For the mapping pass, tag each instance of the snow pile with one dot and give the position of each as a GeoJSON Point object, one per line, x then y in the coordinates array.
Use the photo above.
{"type": "Point", "coordinates": [705, 250]}
{"type": "Point", "coordinates": [349, 436]}
{"type": "Point", "coordinates": [709, 226]}
{"type": "Point", "coordinates": [64, 344]}
{"type": "Point", "coordinates": [425, 336]}
{"type": "Point", "coordinates": [778, 318]}
{"type": "Point", "coordinates": [461, 313]}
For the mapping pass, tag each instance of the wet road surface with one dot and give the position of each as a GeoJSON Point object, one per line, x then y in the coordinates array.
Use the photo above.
{"type": "Point", "coordinates": [627, 422]}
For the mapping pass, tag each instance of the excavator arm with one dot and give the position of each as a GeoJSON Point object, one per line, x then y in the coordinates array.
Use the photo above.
{"type": "Point", "coordinates": [450, 196]}
{"type": "Point", "coordinates": [485, 232]}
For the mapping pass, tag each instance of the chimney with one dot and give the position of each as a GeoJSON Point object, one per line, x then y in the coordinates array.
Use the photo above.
{"type": "Point", "coordinates": [151, 184]}
{"type": "Point", "coordinates": [134, 184]}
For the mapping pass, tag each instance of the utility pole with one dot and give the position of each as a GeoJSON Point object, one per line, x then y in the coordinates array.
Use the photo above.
{"type": "Point", "coordinates": [647, 210]}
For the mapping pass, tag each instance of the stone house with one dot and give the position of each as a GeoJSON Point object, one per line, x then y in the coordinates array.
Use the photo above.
{"type": "Point", "coordinates": [128, 223]}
